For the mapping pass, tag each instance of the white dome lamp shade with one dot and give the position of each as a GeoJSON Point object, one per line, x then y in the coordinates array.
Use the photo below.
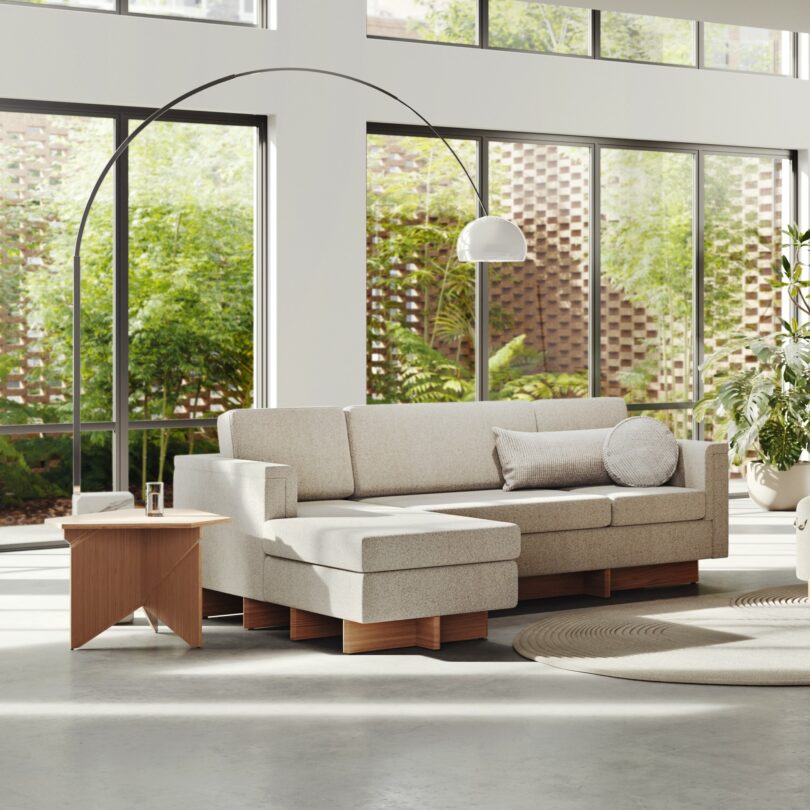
{"type": "Point", "coordinates": [491, 239]}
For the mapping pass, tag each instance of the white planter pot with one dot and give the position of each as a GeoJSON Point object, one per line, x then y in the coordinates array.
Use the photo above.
{"type": "Point", "coordinates": [777, 490]}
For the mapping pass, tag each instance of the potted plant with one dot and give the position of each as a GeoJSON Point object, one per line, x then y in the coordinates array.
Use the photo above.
{"type": "Point", "coordinates": [766, 408]}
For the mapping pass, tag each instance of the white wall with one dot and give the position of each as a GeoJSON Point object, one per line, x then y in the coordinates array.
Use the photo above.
{"type": "Point", "coordinates": [317, 218]}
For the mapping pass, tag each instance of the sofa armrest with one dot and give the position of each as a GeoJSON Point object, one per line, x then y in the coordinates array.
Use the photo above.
{"type": "Point", "coordinates": [704, 466]}
{"type": "Point", "coordinates": [249, 492]}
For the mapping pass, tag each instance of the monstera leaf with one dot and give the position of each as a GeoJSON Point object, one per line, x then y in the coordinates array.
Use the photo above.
{"type": "Point", "coordinates": [782, 443]}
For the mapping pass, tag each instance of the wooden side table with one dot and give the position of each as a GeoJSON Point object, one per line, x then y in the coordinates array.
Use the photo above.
{"type": "Point", "coordinates": [123, 560]}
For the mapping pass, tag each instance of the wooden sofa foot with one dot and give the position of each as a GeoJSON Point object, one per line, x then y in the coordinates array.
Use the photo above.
{"type": "Point", "coordinates": [655, 576]}
{"type": "Point", "coordinates": [428, 633]}
{"type": "Point", "coordinates": [465, 626]}
{"type": "Point", "coordinates": [258, 615]}
{"type": "Point", "coordinates": [605, 581]}
{"type": "Point", "coordinates": [216, 603]}
{"type": "Point", "coordinates": [305, 625]}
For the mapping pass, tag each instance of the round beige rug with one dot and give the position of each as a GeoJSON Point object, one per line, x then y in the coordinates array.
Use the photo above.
{"type": "Point", "coordinates": [751, 639]}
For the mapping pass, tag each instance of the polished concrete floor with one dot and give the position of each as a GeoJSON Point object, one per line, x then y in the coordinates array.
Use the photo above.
{"type": "Point", "coordinates": [135, 720]}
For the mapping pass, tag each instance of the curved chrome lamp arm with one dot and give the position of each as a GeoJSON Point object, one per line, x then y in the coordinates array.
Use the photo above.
{"type": "Point", "coordinates": [77, 264]}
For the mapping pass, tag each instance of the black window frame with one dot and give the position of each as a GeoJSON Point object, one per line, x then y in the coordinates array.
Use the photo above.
{"type": "Point", "coordinates": [122, 8]}
{"type": "Point", "coordinates": [482, 138]}
{"type": "Point", "coordinates": [120, 425]}
{"type": "Point", "coordinates": [482, 21]}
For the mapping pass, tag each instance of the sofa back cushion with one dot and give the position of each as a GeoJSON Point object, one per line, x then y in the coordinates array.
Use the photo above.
{"type": "Point", "coordinates": [578, 414]}
{"type": "Point", "coordinates": [401, 449]}
{"type": "Point", "coordinates": [313, 441]}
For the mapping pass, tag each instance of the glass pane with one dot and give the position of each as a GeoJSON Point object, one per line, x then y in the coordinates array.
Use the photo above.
{"type": "Point", "coordinates": [103, 5]}
{"type": "Point", "coordinates": [678, 421]}
{"type": "Point", "coordinates": [191, 270]}
{"type": "Point", "coordinates": [48, 164]}
{"type": "Point", "coordinates": [538, 311]}
{"type": "Point", "coordinates": [737, 47]}
{"type": "Point", "coordinates": [420, 298]}
{"type": "Point", "coordinates": [747, 206]}
{"type": "Point", "coordinates": [454, 21]}
{"type": "Point", "coordinates": [36, 474]}
{"type": "Point", "coordinates": [639, 38]}
{"type": "Point", "coordinates": [152, 452]}
{"type": "Point", "coordinates": [647, 275]}
{"type": "Point", "coordinates": [527, 25]}
{"type": "Point", "coordinates": [236, 11]}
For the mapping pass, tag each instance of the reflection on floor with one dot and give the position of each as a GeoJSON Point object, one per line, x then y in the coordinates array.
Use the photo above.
{"type": "Point", "coordinates": [253, 720]}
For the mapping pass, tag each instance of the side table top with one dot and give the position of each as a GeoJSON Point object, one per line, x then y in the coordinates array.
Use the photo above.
{"type": "Point", "coordinates": [137, 519]}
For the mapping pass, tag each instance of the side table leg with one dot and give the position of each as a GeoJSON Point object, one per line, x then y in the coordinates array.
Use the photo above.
{"type": "Point", "coordinates": [174, 591]}
{"type": "Point", "coordinates": [105, 580]}
{"type": "Point", "coordinates": [153, 620]}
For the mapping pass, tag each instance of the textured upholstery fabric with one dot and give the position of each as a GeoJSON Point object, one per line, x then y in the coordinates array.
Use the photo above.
{"type": "Point", "coordinates": [638, 505]}
{"type": "Point", "coordinates": [402, 449]}
{"type": "Point", "coordinates": [614, 547]}
{"type": "Point", "coordinates": [250, 493]}
{"type": "Point", "coordinates": [577, 414]}
{"type": "Point", "coordinates": [392, 541]}
{"type": "Point", "coordinates": [232, 562]}
{"type": "Point", "coordinates": [533, 510]}
{"type": "Point", "coordinates": [704, 466]}
{"type": "Point", "coordinates": [640, 452]}
{"type": "Point", "coordinates": [391, 595]}
{"type": "Point", "coordinates": [545, 460]}
{"type": "Point", "coordinates": [313, 441]}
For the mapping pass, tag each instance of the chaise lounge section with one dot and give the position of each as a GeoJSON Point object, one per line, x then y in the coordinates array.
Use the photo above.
{"type": "Point", "coordinates": [388, 524]}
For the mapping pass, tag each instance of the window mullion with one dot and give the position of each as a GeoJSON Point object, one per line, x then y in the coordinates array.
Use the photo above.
{"type": "Point", "coordinates": [120, 393]}
{"type": "Point", "coordinates": [482, 287]}
{"type": "Point", "coordinates": [698, 293]}
{"type": "Point", "coordinates": [595, 276]}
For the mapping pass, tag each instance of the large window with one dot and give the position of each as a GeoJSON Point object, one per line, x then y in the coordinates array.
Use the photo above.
{"type": "Point", "coordinates": [555, 28]}
{"type": "Point", "coordinates": [759, 50]}
{"type": "Point", "coordinates": [190, 284]}
{"type": "Point", "coordinates": [538, 311]}
{"type": "Point", "coordinates": [421, 299]}
{"type": "Point", "coordinates": [748, 205]}
{"type": "Point", "coordinates": [186, 351]}
{"type": "Point", "coordinates": [642, 259]}
{"type": "Point", "coordinates": [638, 38]}
{"type": "Point", "coordinates": [244, 12]}
{"type": "Point", "coordinates": [647, 273]}
{"type": "Point", "coordinates": [452, 21]}
{"type": "Point", "coordinates": [527, 25]}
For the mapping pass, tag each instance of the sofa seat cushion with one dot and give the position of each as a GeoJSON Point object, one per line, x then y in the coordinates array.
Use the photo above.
{"type": "Point", "coordinates": [637, 505]}
{"type": "Point", "coordinates": [533, 510]}
{"type": "Point", "coordinates": [367, 538]}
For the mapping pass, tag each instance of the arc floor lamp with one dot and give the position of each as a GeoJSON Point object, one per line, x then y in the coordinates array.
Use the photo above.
{"type": "Point", "coordinates": [485, 239]}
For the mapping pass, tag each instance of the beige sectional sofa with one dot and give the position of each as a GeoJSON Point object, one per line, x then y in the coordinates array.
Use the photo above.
{"type": "Point", "coordinates": [389, 524]}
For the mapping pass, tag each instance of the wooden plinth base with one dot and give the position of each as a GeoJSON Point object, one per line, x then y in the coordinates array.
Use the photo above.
{"type": "Point", "coordinates": [605, 581]}
{"type": "Point", "coordinates": [428, 633]}
{"type": "Point", "coordinates": [257, 615]}
{"type": "Point", "coordinates": [215, 603]}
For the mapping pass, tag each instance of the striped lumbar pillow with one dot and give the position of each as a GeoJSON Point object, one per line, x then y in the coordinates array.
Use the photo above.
{"type": "Point", "coordinates": [560, 458]}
